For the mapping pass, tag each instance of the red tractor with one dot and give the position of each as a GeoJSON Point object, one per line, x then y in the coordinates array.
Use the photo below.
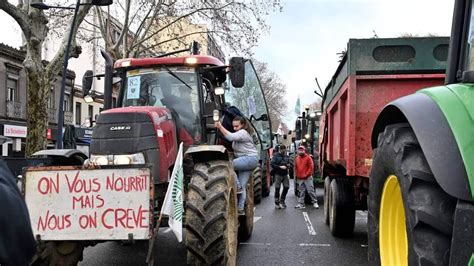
{"type": "Point", "coordinates": [162, 102]}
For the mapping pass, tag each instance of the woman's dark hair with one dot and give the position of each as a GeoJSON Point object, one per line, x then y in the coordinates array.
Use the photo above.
{"type": "Point", "coordinates": [245, 123]}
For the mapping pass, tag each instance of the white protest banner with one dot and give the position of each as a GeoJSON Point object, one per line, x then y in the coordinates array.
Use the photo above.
{"type": "Point", "coordinates": [88, 204]}
{"type": "Point", "coordinates": [173, 203]}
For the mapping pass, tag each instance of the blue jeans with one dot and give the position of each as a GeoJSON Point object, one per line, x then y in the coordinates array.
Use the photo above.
{"type": "Point", "coordinates": [244, 166]}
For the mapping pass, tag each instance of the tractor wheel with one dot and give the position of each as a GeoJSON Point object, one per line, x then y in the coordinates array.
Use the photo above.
{"type": "Point", "coordinates": [410, 218]}
{"type": "Point", "coordinates": [59, 253]}
{"type": "Point", "coordinates": [327, 185]}
{"type": "Point", "coordinates": [211, 215]}
{"type": "Point", "coordinates": [265, 185]}
{"type": "Point", "coordinates": [246, 221]}
{"type": "Point", "coordinates": [257, 185]}
{"type": "Point", "coordinates": [341, 207]}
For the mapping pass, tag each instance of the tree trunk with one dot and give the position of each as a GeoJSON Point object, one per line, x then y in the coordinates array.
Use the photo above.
{"type": "Point", "coordinates": [38, 95]}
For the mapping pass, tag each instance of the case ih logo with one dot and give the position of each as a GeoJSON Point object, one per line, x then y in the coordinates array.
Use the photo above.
{"type": "Point", "coordinates": [117, 128]}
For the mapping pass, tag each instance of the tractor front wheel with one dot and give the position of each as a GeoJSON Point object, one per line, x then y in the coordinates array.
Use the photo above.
{"type": "Point", "coordinates": [257, 185]}
{"type": "Point", "coordinates": [211, 215]}
{"type": "Point", "coordinates": [410, 218]}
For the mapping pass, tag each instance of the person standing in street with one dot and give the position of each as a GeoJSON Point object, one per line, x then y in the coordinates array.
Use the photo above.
{"type": "Point", "coordinates": [280, 163]}
{"type": "Point", "coordinates": [304, 168]}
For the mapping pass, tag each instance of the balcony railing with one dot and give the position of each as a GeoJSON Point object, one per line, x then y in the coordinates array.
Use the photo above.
{"type": "Point", "coordinates": [16, 110]}
{"type": "Point", "coordinates": [53, 114]}
{"type": "Point", "coordinates": [68, 118]}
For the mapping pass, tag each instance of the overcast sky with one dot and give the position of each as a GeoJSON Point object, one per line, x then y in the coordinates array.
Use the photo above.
{"type": "Point", "coordinates": [305, 38]}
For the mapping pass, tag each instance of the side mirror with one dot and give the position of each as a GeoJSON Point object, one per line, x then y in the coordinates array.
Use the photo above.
{"type": "Point", "coordinates": [87, 83]}
{"type": "Point", "coordinates": [101, 2]}
{"type": "Point", "coordinates": [263, 117]}
{"type": "Point", "coordinates": [237, 71]}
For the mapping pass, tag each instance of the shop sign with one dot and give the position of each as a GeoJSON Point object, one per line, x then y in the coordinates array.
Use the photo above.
{"type": "Point", "coordinates": [14, 131]}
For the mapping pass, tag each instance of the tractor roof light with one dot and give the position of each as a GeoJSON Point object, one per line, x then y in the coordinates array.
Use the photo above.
{"type": "Point", "coordinates": [190, 60]}
{"type": "Point", "coordinates": [126, 63]}
{"type": "Point", "coordinates": [312, 115]}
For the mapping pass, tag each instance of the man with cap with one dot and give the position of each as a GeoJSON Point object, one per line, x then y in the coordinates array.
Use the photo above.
{"type": "Point", "coordinates": [304, 168]}
{"type": "Point", "coordinates": [280, 163]}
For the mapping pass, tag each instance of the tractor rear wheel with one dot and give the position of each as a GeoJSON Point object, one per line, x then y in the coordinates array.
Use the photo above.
{"type": "Point", "coordinates": [246, 221]}
{"type": "Point", "coordinates": [265, 182]}
{"type": "Point", "coordinates": [59, 253]}
{"type": "Point", "coordinates": [410, 218]}
{"type": "Point", "coordinates": [257, 185]}
{"type": "Point", "coordinates": [341, 207]}
{"type": "Point", "coordinates": [211, 215]}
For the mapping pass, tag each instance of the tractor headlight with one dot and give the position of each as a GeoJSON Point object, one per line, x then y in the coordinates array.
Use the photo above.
{"type": "Point", "coordinates": [125, 159]}
{"type": "Point", "coordinates": [138, 158]}
{"type": "Point", "coordinates": [122, 159]}
{"type": "Point", "coordinates": [99, 159]}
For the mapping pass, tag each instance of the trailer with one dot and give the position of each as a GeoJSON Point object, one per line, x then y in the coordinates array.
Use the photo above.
{"type": "Point", "coordinates": [372, 73]}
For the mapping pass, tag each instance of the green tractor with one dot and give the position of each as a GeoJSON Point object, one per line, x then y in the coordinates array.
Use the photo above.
{"type": "Point", "coordinates": [421, 194]}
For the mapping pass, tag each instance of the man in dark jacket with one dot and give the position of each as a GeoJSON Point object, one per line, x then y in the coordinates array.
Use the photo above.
{"type": "Point", "coordinates": [17, 244]}
{"type": "Point", "coordinates": [280, 163]}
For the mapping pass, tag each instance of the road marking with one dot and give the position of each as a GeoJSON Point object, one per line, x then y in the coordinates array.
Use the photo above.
{"type": "Point", "coordinates": [309, 224]}
{"type": "Point", "coordinates": [256, 218]}
{"type": "Point", "coordinates": [255, 244]}
{"type": "Point", "coordinates": [364, 246]}
{"type": "Point", "coordinates": [167, 230]}
{"type": "Point", "coordinates": [314, 245]}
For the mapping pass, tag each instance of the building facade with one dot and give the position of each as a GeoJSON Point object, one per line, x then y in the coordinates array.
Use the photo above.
{"type": "Point", "coordinates": [13, 99]}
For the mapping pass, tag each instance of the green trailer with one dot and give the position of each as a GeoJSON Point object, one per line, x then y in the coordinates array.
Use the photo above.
{"type": "Point", "coordinates": [421, 191]}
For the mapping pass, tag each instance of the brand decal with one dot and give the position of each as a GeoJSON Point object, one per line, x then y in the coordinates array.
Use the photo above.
{"type": "Point", "coordinates": [118, 128]}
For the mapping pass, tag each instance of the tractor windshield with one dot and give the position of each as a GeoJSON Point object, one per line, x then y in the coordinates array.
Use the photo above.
{"type": "Point", "coordinates": [470, 43]}
{"type": "Point", "coordinates": [172, 87]}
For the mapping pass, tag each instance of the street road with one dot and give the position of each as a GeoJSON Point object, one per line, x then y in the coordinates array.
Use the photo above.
{"type": "Point", "coordinates": [280, 237]}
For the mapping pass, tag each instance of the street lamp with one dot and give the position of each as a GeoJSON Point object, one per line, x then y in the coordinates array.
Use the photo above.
{"type": "Point", "coordinates": [43, 6]}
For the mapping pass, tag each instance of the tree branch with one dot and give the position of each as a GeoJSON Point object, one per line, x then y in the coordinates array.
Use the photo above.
{"type": "Point", "coordinates": [54, 65]}
{"type": "Point", "coordinates": [18, 15]}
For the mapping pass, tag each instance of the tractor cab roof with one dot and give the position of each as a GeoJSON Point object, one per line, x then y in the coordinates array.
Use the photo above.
{"type": "Point", "coordinates": [189, 60]}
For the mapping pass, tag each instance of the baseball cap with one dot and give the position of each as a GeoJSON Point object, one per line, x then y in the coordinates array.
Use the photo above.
{"type": "Point", "coordinates": [301, 148]}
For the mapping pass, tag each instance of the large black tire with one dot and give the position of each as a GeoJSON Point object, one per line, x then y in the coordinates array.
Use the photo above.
{"type": "Point", "coordinates": [211, 215]}
{"type": "Point", "coordinates": [246, 221]}
{"type": "Point", "coordinates": [341, 207]}
{"type": "Point", "coordinates": [59, 253]}
{"type": "Point", "coordinates": [257, 185]}
{"type": "Point", "coordinates": [265, 184]}
{"type": "Point", "coordinates": [428, 210]}
{"type": "Point", "coordinates": [327, 186]}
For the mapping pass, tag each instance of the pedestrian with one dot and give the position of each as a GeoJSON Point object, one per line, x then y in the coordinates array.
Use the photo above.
{"type": "Point", "coordinates": [245, 153]}
{"type": "Point", "coordinates": [304, 168]}
{"type": "Point", "coordinates": [17, 244]}
{"type": "Point", "coordinates": [280, 164]}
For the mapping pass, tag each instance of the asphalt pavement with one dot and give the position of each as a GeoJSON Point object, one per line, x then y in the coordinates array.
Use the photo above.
{"type": "Point", "coordinates": [280, 237]}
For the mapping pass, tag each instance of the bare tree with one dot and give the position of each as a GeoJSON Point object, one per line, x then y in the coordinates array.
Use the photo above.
{"type": "Point", "coordinates": [275, 92]}
{"type": "Point", "coordinates": [35, 28]}
{"type": "Point", "coordinates": [153, 25]}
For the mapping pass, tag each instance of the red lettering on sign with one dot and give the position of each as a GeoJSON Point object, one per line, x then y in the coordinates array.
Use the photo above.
{"type": "Point", "coordinates": [125, 218]}
{"type": "Point", "coordinates": [88, 221]}
{"type": "Point", "coordinates": [127, 184]}
{"type": "Point", "coordinates": [81, 185]}
{"type": "Point", "coordinates": [47, 185]}
{"type": "Point", "coordinates": [53, 222]}
{"type": "Point", "coordinates": [87, 201]}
